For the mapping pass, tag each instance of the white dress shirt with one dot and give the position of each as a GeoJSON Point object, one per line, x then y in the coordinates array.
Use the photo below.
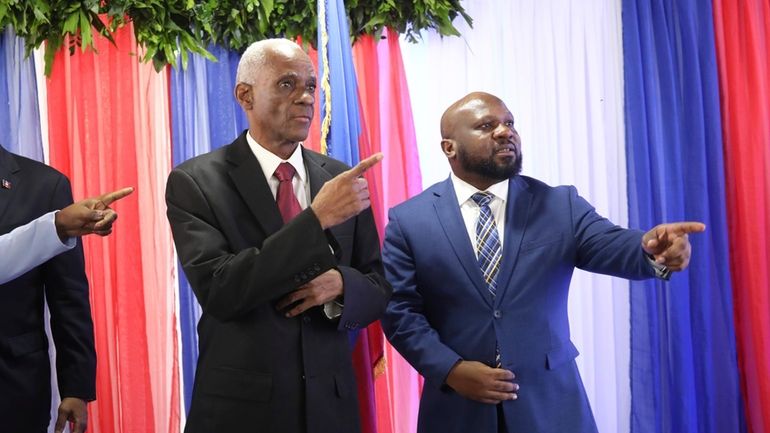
{"type": "Point", "coordinates": [29, 246]}
{"type": "Point", "coordinates": [269, 162]}
{"type": "Point", "coordinates": [470, 210]}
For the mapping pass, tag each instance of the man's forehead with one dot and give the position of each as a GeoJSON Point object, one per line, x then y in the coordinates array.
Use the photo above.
{"type": "Point", "coordinates": [483, 107]}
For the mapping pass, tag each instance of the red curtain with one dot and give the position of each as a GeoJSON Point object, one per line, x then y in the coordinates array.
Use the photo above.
{"type": "Point", "coordinates": [389, 128]}
{"type": "Point", "coordinates": [742, 30]}
{"type": "Point", "coordinates": [109, 128]}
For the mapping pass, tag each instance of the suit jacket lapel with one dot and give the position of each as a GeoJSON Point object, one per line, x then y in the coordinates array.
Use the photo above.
{"type": "Point", "coordinates": [9, 169]}
{"type": "Point", "coordinates": [516, 215]}
{"type": "Point", "coordinates": [316, 173]}
{"type": "Point", "coordinates": [450, 218]}
{"type": "Point", "coordinates": [252, 185]}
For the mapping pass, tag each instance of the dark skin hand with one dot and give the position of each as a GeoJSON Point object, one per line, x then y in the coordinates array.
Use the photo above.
{"type": "Point", "coordinates": [72, 410]}
{"type": "Point", "coordinates": [322, 289]}
{"type": "Point", "coordinates": [345, 196]}
{"type": "Point", "coordinates": [89, 216]}
{"type": "Point", "coordinates": [669, 244]}
{"type": "Point", "coordinates": [476, 381]}
{"type": "Point", "coordinates": [341, 198]}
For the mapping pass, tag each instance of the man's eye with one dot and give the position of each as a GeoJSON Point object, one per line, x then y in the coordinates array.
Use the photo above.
{"type": "Point", "coordinates": [311, 87]}
{"type": "Point", "coordinates": [285, 84]}
{"type": "Point", "coordinates": [509, 123]}
{"type": "Point", "coordinates": [485, 125]}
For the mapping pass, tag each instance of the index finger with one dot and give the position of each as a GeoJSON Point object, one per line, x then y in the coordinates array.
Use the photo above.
{"type": "Point", "coordinates": [687, 227]}
{"type": "Point", "coordinates": [110, 197]}
{"type": "Point", "coordinates": [364, 165]}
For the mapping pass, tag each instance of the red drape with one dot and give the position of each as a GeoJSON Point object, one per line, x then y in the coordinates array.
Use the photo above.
{"type": "Point", "coordinates": [108, 128]}
{"type": "Point", "coordinates": [742, 30]}
{"type": "Point", "coordinates": [389, 127]}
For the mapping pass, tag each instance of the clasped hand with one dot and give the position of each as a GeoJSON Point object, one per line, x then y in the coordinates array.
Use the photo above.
{"type": "Point", "coordinates": [479, 382]}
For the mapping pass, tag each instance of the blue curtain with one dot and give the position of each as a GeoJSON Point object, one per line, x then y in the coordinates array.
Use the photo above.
{"type": "Point", "coordinates": [204, 116]}
{"type": "Point", "coordinates": [684, 374]}
{"type": "Point", "coordinates": [19, 115]}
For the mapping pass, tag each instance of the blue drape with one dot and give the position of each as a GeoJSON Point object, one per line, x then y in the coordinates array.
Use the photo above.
{"type": "Point", "coordinates": [204, 116]}
{"type": "Point", "coordinates": [345, 131]}
{"type": "Point", "coordinates": [19, 115]}
{"type": "Point", "coordinates": [684, 375]}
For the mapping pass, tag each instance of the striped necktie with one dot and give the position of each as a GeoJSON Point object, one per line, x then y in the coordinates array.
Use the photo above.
{"type": "Point", "coordinates": [488, 250]}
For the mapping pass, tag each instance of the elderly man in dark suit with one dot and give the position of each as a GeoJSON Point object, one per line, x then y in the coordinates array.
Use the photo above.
{"type": "Point", "coordinates": [29, 190]}
{"type": "Point", "coordinates": [282, 253]}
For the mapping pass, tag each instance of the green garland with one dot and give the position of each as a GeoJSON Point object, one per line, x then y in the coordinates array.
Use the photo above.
{"type": "Point", "coordinates": [170, 29]}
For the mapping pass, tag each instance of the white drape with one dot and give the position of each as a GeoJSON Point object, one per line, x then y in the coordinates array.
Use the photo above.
{"type": "Point", "coordinates": [558, 66]}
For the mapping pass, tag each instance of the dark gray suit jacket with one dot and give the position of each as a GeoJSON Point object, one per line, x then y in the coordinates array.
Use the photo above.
{"type": "Point", "coordinates": [25, 384]}
{"type": "Point", "coordinates": [259, 371]}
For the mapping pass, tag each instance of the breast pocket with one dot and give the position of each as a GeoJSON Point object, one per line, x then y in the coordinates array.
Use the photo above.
{"type": "Point", "coordinates": [542, 243]}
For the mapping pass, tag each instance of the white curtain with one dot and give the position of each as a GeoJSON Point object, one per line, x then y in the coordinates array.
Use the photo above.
{"type": "Point", "coordinates": [558, 66]}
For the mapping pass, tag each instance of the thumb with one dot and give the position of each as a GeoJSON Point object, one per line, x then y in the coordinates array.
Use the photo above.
{"type": "Point", "coordinates": [61, 421]}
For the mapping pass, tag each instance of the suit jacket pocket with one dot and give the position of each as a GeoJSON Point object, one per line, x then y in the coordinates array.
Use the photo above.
{"type": "Point", "coordinates": [342, 386]}
{"type": "Point", "coordinates": [542, 242]}
{"type": "Point", "coordinates": [237, 383]}
{"type": "Point", "coordinates": [24, 344]}
{"type": "Point", "coordinates": [558, 357]}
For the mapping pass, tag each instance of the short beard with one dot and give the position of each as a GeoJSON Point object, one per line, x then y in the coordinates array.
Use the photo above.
{"type": "Point", "coordinates": [488, 168]}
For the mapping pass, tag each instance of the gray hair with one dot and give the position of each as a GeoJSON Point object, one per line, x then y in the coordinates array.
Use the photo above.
{"type": "Point", "coordinates": [255, 58]}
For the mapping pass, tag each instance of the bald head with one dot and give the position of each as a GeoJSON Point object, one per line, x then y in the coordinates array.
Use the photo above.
{"type": "Point", "coordinates": [260, 54]}
{"type": "Point", "coordinates": [472, 100]}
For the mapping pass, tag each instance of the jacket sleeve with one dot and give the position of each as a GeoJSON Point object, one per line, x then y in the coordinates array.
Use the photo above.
{"type": "Point", "coordinates": [404, 323]}
{"type": "Point", "coordinates": [230, 284]}
{"type": "Point", "coordinates": [66, 290]}
{"type": "Point", "coordinates": [604, 247]}
{"type": "Point", "coordinates": [366, 291]}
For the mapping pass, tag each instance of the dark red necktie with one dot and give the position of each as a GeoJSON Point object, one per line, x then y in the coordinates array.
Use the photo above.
{"type": "Point", "coordinates": [287, 201]}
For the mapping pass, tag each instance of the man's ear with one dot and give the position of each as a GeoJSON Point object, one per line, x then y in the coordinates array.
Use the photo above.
{"type": "Point", "coordinates": [449, 147]}
{"type": "Point", "coordinates": [244, 95]}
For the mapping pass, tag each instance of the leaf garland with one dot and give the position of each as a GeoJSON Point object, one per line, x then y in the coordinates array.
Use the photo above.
{"type": "Point", "coordinates": [169, 30]}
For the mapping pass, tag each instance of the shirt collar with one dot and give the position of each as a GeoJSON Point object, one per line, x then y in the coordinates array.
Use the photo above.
{"type": "Point", "coordinates": [464, 190]}
{"type": "Point", "coordinates": [270, 161]}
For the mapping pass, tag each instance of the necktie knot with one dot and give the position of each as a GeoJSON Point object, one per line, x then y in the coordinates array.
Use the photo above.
{"type": "Point", "coordinates": [284, 172]}
{"type": "Point", "coordinates": [482, 198]}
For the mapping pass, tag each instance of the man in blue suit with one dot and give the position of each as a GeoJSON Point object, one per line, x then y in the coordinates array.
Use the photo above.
{"type": "Point", "coordinates": [480, 266]}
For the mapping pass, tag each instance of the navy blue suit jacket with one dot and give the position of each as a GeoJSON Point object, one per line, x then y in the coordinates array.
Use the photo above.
{"type": "Point", "coordinates": [441, 311]}
{"type": "Point", "coordinates": [25, 383]}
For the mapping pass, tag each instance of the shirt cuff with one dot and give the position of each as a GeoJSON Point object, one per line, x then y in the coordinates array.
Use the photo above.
{"type": "Point", "coordinates": [68, 243]}
{"type": "Point", "coordinates": [333, 309]}
{"type": "Point", "coordinates": [661, 271]}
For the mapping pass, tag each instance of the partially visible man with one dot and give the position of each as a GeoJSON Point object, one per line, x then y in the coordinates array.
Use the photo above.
{"type": "Point", "coordinates": [34, 243]}
{"type": "Point", "coordinates": [481, 265]}
{"type": "Point", "coordinates": [279, 246]}
{"type": "Point", "coordinates": [28, 190]}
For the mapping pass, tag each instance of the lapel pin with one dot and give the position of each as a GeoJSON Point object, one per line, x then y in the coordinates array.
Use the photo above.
{"type": "Point", "coordinates": [6, 184]}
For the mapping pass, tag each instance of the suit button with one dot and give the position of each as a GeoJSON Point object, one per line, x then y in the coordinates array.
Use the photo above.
{"type": "Point", "coordinates": [306, 319]}
{"type": "Point", "coordinates": [498, 314]}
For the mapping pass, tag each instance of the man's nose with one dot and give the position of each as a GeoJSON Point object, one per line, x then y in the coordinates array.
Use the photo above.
{"type": "Point", "coordinates": [504, 131]}
{"type": "Point", "coordinates": [307, 98]}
